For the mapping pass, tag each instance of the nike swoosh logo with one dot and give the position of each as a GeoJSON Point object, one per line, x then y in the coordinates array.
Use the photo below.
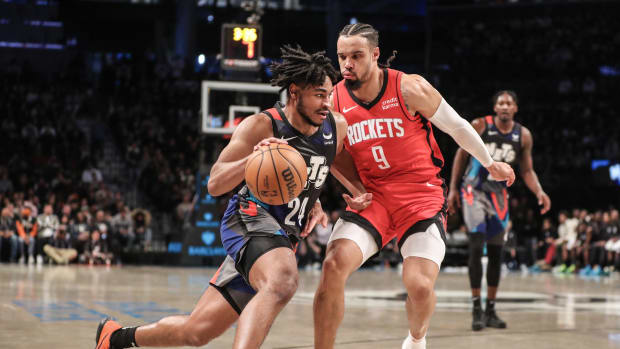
{"type": "Point", "coordinates": [328, 136]}
{"type": "Point", "coordinates": [491, 133]}
{"type": "Point", "coordinates": [288, 139]}
{"type": "Point", "coordinates": [346, 110]}
{"type": "Point", "coordinates": [429, 185]}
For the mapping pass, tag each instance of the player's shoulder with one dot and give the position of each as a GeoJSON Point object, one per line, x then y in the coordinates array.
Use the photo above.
{"type": "Point", "coordinates": [258, 124]}
{"type": "Point", "coordinates": [339, 119]}
{"type": "Point", "coordinates": [415, 85]}
{"type": "Point", "coordinates": [257, 120]}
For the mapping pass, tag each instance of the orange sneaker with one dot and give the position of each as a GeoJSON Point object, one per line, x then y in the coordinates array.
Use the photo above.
{"type": "Point", "coordinates": [106, 327]}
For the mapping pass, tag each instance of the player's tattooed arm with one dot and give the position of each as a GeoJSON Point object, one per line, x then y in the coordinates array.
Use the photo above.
{"type": "Point", "coordinates": [228, 170]}
{"type": "Point", "coordinates": [419, 95]}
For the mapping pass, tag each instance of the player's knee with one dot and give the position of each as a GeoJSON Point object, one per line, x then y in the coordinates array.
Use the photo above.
{"type": "Point", "coordinates": [419, 287]}
{"type": "Point", "coordinates": [283, 286]}
{"type": "Point", "coordinates": [197, 334]}
{"type": "Point", "coordinates": [335, 268]}
{"type": "Point", "coordinates": [196, 339]}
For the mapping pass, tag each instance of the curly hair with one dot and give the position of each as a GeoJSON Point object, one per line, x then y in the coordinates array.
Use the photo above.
{"type": "Point", "coordinates": [301, 68]}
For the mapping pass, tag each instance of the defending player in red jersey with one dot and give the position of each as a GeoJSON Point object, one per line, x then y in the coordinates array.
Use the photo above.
{"type": "Point", "coordinates": [391, 143]}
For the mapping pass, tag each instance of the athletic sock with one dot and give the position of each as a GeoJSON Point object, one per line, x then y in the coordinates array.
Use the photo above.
{"type": "Point", "coordinates": [124, 338]}
{"type": "Point", "coordinates": [490, 304]}
{"type": "Point", "coordinates": [476, 301]}
{"type": "Point", "coordinates": [412, 343]}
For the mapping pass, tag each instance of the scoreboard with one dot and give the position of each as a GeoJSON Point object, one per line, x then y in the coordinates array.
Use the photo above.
{"type": "Point", "coordinates": [241, 47]}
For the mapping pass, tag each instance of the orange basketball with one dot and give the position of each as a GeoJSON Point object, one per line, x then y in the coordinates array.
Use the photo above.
{"type": "Point", "coordinates": [276, 174]}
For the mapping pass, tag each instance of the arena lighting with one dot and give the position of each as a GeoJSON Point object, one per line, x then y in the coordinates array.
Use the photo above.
{"type": "Point", "coordinates": [31, 45]}
{"type": "Point", "coordinates": [201, 59]}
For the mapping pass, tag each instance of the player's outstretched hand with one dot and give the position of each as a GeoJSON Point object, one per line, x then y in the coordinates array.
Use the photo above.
{"type": "Point", "coordinates": [316, 215]}
{"type": "Point", "coordinates": [544, 201]}
{"type": "Point", "coordinates": [359, 202]}
{"type": "Point", "coordinates": [454, 201]}
{"type": "Point", "coordinates": [265, 142]}
{"type": "Point", "coordinates": [501, 171]}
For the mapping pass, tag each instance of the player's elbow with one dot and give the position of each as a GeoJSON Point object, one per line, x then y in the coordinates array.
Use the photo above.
{"type": "Point", "coordinates": [214, 187]}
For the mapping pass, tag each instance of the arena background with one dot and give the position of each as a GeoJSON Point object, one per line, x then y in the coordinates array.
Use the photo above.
{"type": "Point", "coordinates": [101, 111]}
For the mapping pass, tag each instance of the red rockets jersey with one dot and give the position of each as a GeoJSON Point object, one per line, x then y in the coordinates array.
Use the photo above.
{"type": "Point", "coordinates": [388, 144]}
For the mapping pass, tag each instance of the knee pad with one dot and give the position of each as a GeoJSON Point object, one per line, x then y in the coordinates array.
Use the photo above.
{"type": "Point", "coordinates": [476, 243]}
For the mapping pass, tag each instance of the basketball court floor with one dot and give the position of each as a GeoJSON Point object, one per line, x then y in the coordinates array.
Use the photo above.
{"type": "Point", "coordinates": [59, 307]}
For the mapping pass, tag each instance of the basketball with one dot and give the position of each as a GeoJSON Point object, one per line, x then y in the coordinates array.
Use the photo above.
{"type": "Point", "coordinates": [276, 174]}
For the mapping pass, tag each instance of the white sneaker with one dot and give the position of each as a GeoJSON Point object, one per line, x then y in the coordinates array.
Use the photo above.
{"type": "Point", "coordinates": [409, 343]}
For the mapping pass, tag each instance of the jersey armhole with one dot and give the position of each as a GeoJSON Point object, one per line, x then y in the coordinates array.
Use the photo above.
{"type": "Point", "coordinates": [270, 113]}
{"type": "Point", "coordinates": [401, 100]}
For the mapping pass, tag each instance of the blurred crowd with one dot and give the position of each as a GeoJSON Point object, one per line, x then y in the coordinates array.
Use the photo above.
{"type": "Point", "coordinates": [69, 230]}
{"type": "Point", "coordinates": [563, 66]}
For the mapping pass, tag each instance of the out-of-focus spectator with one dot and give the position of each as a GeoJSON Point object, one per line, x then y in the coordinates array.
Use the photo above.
{"type": "Point", "coordinates": [8, 238]}
{"type": "Point", "coordinates": [48, 225]}
{"type": "Point", "coordinates": [60, 248]}
{"type": "Point", "coordinates": [91, 174]}
{"type": "Point", "coordinates": [80, 232]}
{"type": "Point", "coordinates": [122, 225]}
{"type": "Point", "coordinates": [27, 228]}
{"type": "Point", "coordinates": [97, 250]}
{"type": "Point", "coordinates": [141, 227]}
{"type": "Point", "coordinates": [185, 207]}
{"type": "Point", "coordinates": [6, 185]}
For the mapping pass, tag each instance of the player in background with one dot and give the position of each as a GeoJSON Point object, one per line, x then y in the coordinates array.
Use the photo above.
{"type": "Point", "coordinates": [485, 201]}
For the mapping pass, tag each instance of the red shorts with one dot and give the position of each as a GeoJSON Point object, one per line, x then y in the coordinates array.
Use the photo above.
{"type": "Point", "coordinates": [396, 208]}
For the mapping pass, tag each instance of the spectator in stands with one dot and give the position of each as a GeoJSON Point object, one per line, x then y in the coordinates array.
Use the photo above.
{"type": "Point", "coordinates": [6, 186]}
{"type": "Point", "coordinates": [613, 243]}
{"type": "Point", "coordinates": [97, 250]}
{"type": "Point", "coordinates": [60, 248]}
{"type": "Point", "coordinates": [79, 230]}
{"type": "Point", "coordinates": [122, 225]}
{"type": "Point", "coordinates": [27, 228]}
{"type": "Point", "coordinates": [47, 223]}
{"type": "Point", "coordinates": [8, 237]}
{"type": "Point", "coordinates": [546, 248]}
{"type": "Point", "coordinates": [141, 227]}
{"type": "Point", "coordinates": [185, 207]}
{"type": "Point", "coordinates": [91, 174]}
{"type": "Point", "coordinates": [567, 237]}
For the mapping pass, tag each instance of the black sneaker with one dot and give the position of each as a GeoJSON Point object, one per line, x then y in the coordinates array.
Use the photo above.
{"type": "Point", "coordinates": [492, 320]}
{"type": "Point", "coordinates": [478, 322]}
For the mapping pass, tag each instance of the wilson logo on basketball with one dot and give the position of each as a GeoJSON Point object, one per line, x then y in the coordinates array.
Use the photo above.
{"type": "Point", "coordinates": [288, 177]}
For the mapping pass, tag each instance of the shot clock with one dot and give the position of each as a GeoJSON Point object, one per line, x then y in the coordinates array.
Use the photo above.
{"type": "Point", "coordinates": [241, 47]}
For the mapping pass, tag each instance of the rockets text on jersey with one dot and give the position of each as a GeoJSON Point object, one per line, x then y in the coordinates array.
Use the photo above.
{"type": "Point", "coordinates": [386, 141]}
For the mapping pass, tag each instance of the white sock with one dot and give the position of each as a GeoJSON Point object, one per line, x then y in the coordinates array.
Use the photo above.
{"type": "Point", "coordinates": [412, 343]}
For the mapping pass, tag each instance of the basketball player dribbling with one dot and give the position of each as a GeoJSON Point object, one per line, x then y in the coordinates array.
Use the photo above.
{"type": "Point", "coordinates": [259, 274]}
{"type": "Point", "coordinates": [485, 202]}
{"type": "Point", "coordinates": [390, 139]}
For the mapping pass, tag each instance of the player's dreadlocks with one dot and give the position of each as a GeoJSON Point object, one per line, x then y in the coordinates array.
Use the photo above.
{"type": "Point", "coordinates": [301, 68]}
{"type": "Point", "coordinates": [371, 34]}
